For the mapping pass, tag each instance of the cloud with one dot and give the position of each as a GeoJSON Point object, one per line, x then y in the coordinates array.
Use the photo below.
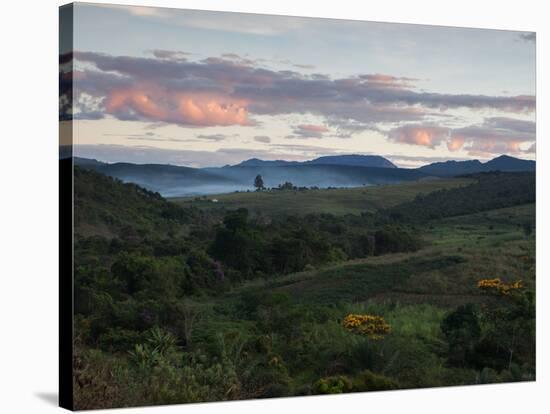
{"type": "Point", "coordinates": [149, 102]}
{"type": "Point", "coordinates": [308, 131]}
{"type": "Point", "coordinates": [495, 135]}
{"type": "Point", "coordinates": [149, 137]}
{"type": "Point", "coordinates": [170, 54]}
{"type": "Point", "coordinates": [388, 81]}
{"type": "Point", "coordinates": [528, 36]}
{"type": "Point", "coordinates": [424, 135]}
{"type": "Point", "coordinates": [421, 158]}
{"type": "Point", "coordinates": [143, 154]}
{"type": "Point", "coordinates": [455, 143]}
{"type": "Point", "coordinates": [525, 128]}
{"type": "Point", "coordinates": [223, 91]}
{"type": "Point", "coordinates": [212, 137]}
{"type": "Point", "coordinates": [262, 138]}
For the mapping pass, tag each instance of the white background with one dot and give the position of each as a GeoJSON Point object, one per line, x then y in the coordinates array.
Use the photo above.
{"type": "Point", "coordinates": [28, 203]}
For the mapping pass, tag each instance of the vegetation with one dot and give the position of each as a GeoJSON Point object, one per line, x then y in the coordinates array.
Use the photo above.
{"type": "Point", "coordinates": [359, 290]}
{"type": "Point", "coordinates": [259, 183]}
{"type": "Point", "coordinates": [335, 201]}
{"type": "Point", "coordinates": [490, 191]}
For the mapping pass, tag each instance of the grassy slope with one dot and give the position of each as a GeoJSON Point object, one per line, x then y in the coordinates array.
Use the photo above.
{"type": "Point", "coordinates": [336, 201]}
{"type": "Point", "coordinates": [105, 206]}
{"type": "Point", "coordinates": [413, 291]}
{"type": "Point", "coordinates": [460, 251]}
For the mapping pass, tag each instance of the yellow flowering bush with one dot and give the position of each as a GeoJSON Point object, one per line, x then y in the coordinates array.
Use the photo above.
{"type": "Point", "coordinates": [498, 286]}
{"type": "Point", "coordinates": [372, 326]}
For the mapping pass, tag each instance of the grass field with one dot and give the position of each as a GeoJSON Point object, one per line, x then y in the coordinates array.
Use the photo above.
{"type": "Point", "coordinates": [413, 291]}
{"type": "Point", "coordinates": [338, 201]}
{"type": "Point", "coordinates": [166, 318]}
{"type": "Point", "coordinates": [459, 251]}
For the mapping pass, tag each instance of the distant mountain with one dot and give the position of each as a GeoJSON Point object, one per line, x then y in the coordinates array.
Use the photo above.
{"type": "Point", "coordinates": [354, 160]}
{"type": "Point", "coordinates": [449, 168]}
{"type": "Point", "coordinates": [256, 162]}
{"type": "Point", "coordinates": [319, 175]}
{"type": "Point", "coordinates": [331, 171]}
{"type": "Point", "coordinates": [507, 163]}
{"type": "Point", "coordinates": [453, 168]}
{"type": "Point", "coordinates": [88, 162]}
{"type": "Point", "coordinates": [173, 181]}
{"type": "Point", "coordinates": [169, 180]}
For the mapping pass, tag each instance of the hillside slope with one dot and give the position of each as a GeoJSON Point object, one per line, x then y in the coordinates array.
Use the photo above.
{"type": "Point", "coordinates": [503, 163]}
{"type": "Point", "coordinates": [107, 206]}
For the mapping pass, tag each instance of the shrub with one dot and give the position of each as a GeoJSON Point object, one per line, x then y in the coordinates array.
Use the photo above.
{"type": "Point", "coordinates": [333, 385]}
{"type": "Point", "coordinates": [369, 381]}
{"type": "Point", "coordinates": [371, 326]}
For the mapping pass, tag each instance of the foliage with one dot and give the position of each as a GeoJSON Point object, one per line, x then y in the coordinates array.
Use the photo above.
{"type": "Point", "coordinates": [372, 326]}
{"type": "Point", "coordinates": [369, 381]}
{"type": "Point", "coordinates": [498, 286]}
{"type": "Point", "coordinates": [490, 191]}
{"type": "Point", "coordinates": [175, 303]}
{"type": "Point", "coordinates": [333, 385]}
{"type": "Point", "coordinates": [259, 182]}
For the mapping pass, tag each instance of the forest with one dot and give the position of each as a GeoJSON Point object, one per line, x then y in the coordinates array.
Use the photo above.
{"type": "Point", "coordinates": [190, 300]}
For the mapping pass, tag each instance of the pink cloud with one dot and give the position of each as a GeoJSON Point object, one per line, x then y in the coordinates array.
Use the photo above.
{"type": "Point", "coordinates": [309, 131]}
{"type": "Point", "coordinates": [387, 81]}
{"type": "Point", "coordinates": [313, 128]}
{"type": "Point", "coordinates": [168, 87]}
{"type": "Point", "coordinates": [455, 143]}
{"type": "Point", "coordinates": [496, 135]}
{"type": "Point", "coordinates": [184, 108]}
{"type": "Point", "coordinates": [424, 135]}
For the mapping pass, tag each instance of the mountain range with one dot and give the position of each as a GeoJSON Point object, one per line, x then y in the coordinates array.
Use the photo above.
{"type": "Point", "coordinates": [352, 160]}
{"type": "Point", "coordinates": [329, 171]}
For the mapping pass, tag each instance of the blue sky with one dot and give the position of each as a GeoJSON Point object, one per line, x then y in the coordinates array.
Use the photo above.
{"type": "Point", "coordinates": [210, 88]}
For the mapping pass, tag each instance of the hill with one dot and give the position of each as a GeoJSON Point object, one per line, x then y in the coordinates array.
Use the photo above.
{"type": "Point", "coordinates": [235, 305]}
{"type": "Point", "coordinates": [507, 163]}
{"type": "Point", "coordinates": [168, 180]}
{"type": "Point", "coordinates": [256, 162]}
{"type": "Point", "coordinates": [490, 191]}
{"type": "Point", "coordinates": [323, 172]}
{"type": "Point", "coordinates": [108, 207]}
{"type": "Point", "coordinates": [502, 163]}
{"type": "Point", "coordinates": [337, 201]}
{"type": "Point", "coordinates": [173, 181]}
{"type": "Point", "coordinates": [354, 160]}
{"type": "Point", "coordinates": [319, 175]}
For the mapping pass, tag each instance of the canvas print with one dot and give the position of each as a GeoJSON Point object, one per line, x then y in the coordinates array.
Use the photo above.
{"type": "Point", "coordinates": [257, 206]}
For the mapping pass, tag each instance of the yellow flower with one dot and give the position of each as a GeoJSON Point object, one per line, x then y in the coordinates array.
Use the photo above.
{"type": "Point", "coordinates": [372, 326]}
{"type": "Point", "coordinates": [498, 286]}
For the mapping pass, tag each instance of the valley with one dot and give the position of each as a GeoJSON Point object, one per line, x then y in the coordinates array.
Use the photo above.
{"type": "Point", "coordinates": [188, 300]}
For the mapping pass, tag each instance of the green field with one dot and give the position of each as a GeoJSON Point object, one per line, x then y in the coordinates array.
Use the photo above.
{"type": "Point", "coordinates": [458, 252]}
{"type": "Point", "coordinates": [337, 201]}
{"type": "Point", "coordinates": [193, 300]}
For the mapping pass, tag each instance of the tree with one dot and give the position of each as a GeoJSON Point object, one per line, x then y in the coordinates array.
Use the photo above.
{"type": "Point", "coordinates": [259, 183]}
{"type": "Point", "coordinates": [287, 186]}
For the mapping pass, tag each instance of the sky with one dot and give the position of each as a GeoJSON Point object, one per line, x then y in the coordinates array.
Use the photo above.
{"type": "Point", "coordinates": [197, 88]}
